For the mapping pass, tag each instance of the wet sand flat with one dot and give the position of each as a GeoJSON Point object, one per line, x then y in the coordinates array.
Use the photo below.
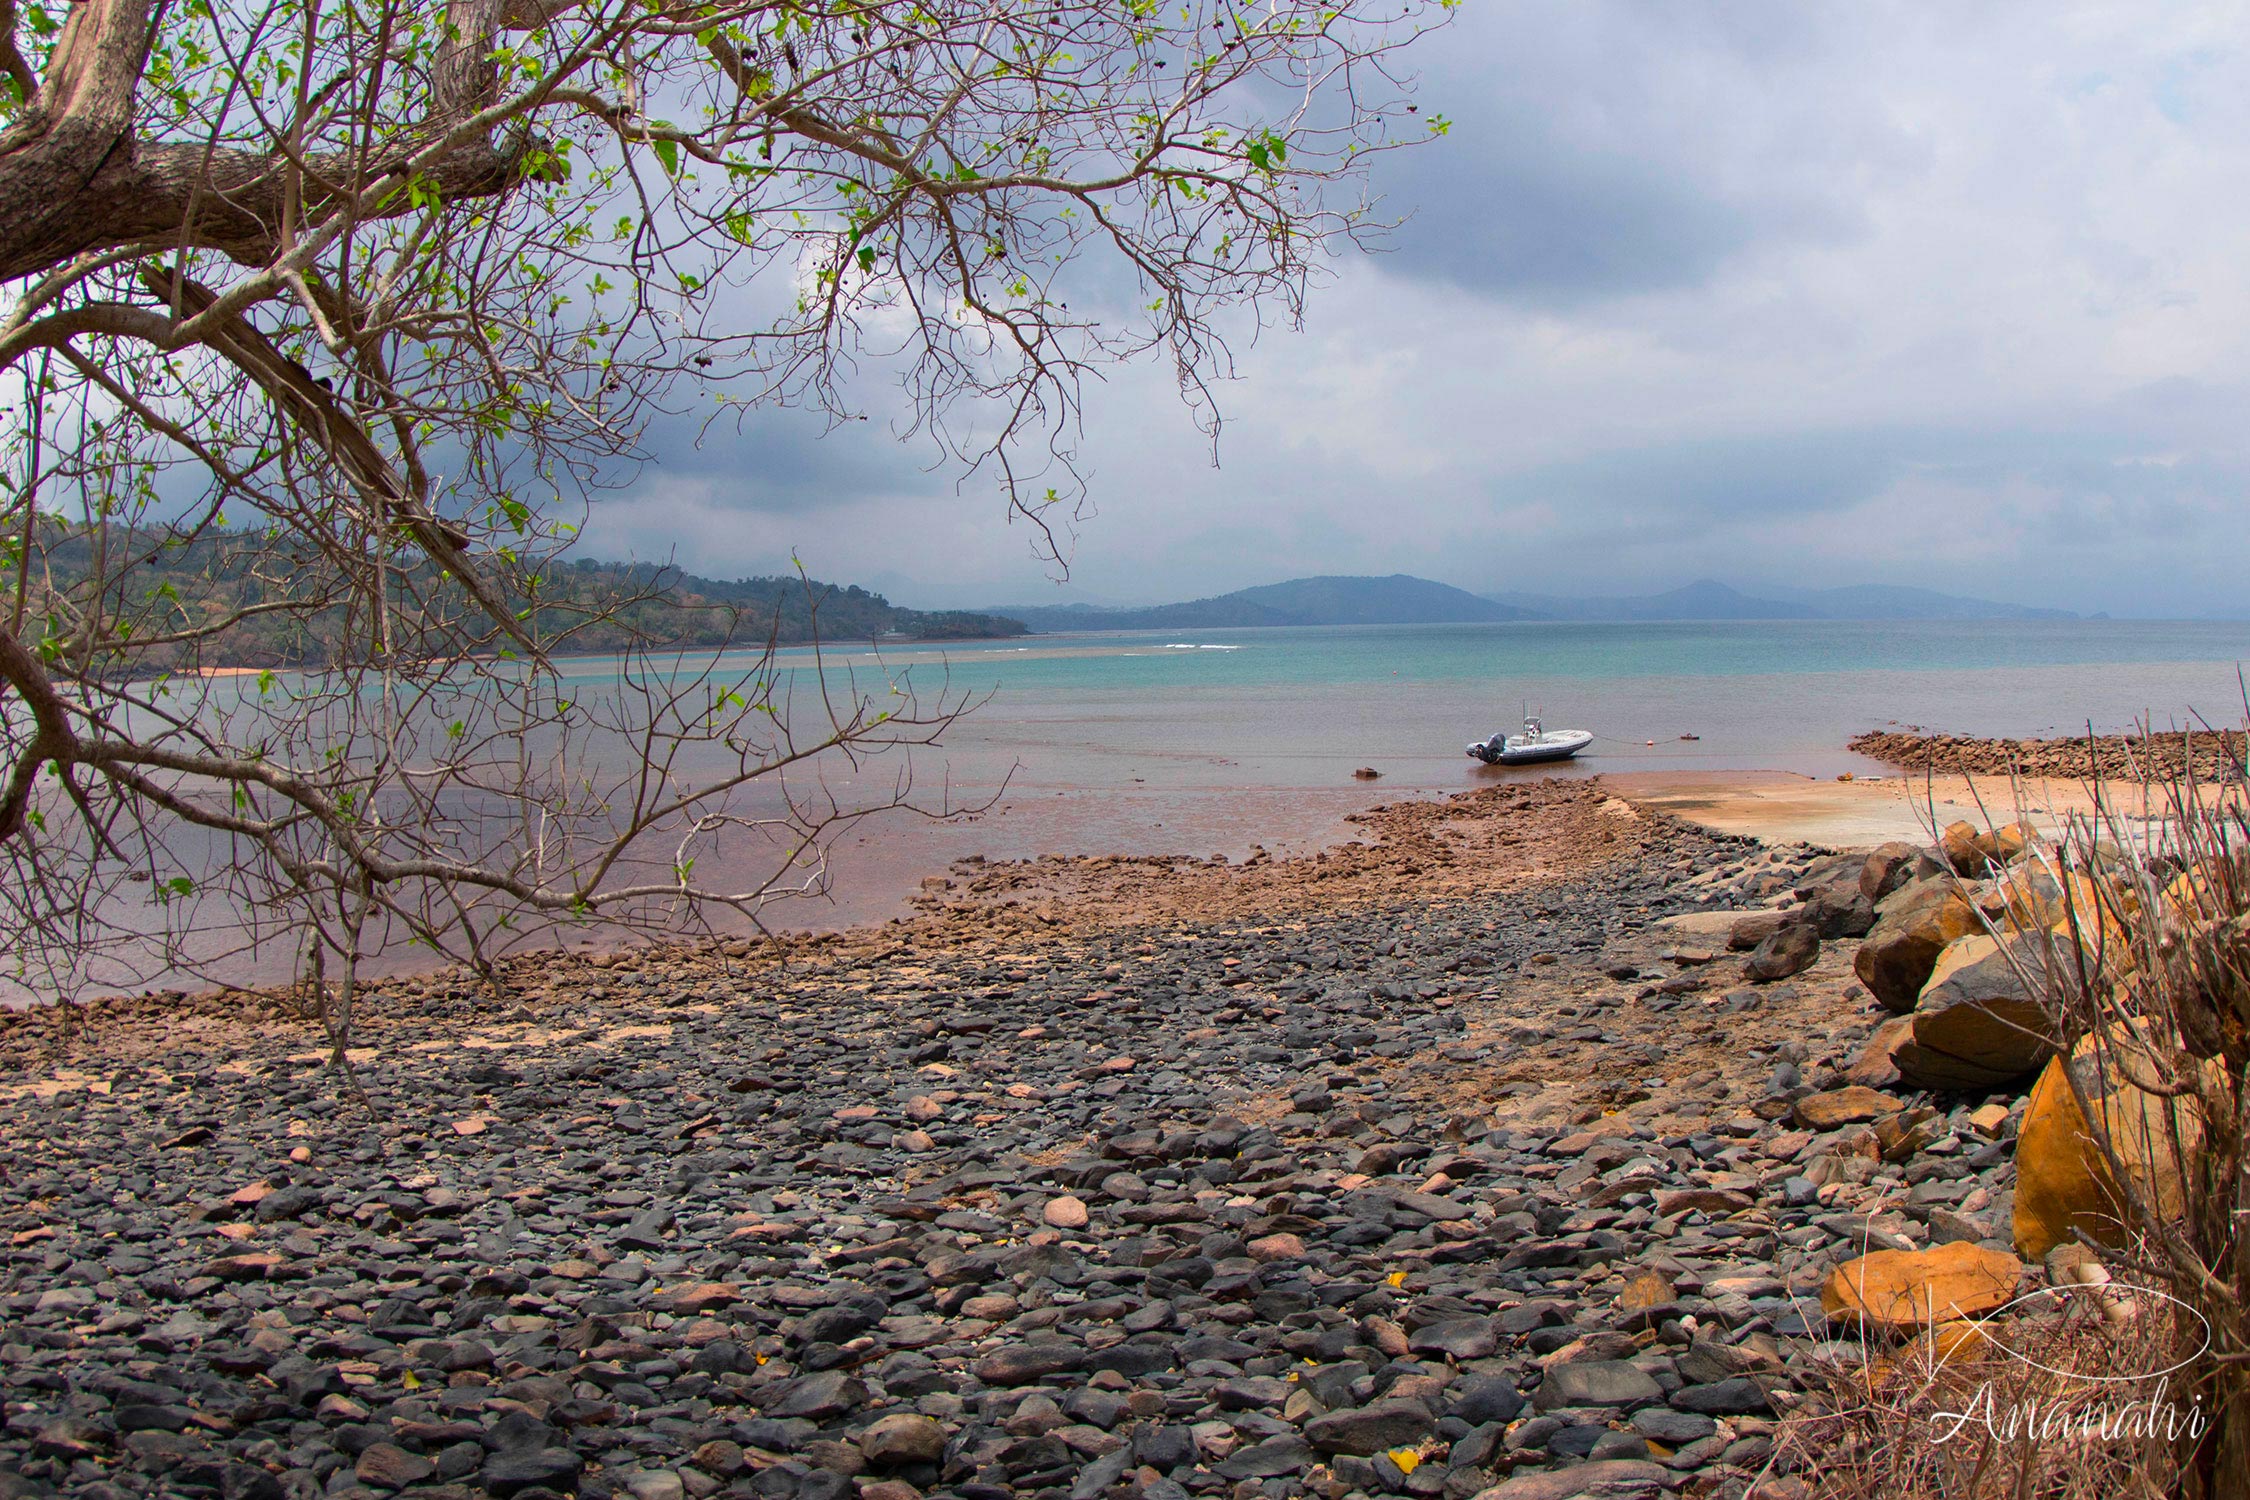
{"type": "Point", "coordinates": [1783, 807]}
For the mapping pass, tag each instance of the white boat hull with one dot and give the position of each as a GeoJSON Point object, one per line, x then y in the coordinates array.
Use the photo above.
{"type": "Point", "coordinates": [1529, 750]}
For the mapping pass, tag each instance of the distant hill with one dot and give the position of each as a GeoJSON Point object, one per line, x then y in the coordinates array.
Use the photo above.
{"type": "Point", "coordinates": [1702, 600]}
{"type": "Point", "coordinates": [1707, 599]}
{"type": "Point", "coordinates": [1404, 600]}
{"type": "Point", "coordinates": [685, 610]}
{"type": "Point", "coordinates": [1396, 600]}
{"type": "Point", "coordinates": [1880, 601]}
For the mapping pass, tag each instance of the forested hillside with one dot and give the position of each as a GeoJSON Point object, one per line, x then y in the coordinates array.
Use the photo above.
{"type": "Point", "coordinates": [581, 607]}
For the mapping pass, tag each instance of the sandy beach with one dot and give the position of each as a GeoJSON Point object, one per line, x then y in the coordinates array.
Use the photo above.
{"type": "Point", "coordinates": [1858, 813]}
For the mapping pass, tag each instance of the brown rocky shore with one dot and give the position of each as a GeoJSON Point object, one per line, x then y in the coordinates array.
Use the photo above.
{"type": "Point", "coordinates": [1533, 1146]}
{"type": "Point", "coordinates": [2217, 756]}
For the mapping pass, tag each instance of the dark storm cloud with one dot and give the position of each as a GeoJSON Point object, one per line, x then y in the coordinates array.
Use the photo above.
{"type": "Point", "coordinates": [1583, 158]}
{"type": "Point", "coordinates": [774, 459]}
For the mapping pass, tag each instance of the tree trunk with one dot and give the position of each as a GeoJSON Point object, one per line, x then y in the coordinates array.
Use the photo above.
{"type": "Point", "coordinates": [75, 178]}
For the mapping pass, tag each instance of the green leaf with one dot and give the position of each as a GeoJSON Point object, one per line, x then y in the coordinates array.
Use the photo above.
{"type": "Point", "coordinates": [668, 152]}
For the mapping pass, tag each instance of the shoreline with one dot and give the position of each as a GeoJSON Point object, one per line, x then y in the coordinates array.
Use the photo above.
{"type": "Point", "coordinates": [823, 643]}
{"type": "Point", "coordinates": [1463, 1146]}
{"type": "Point", "coordinates": [886, 876]}
{"type": "Point", "coordinates": [1096, 1150]}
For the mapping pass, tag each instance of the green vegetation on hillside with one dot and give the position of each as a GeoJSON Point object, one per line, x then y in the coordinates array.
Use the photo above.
{"type": "Point", "coordinates": [279, 596]}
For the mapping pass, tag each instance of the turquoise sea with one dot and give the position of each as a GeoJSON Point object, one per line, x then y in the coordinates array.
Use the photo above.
{"type": "Point", "coordinates": [1218, 741]}
{"type": "Point", "coordinates": [1299, 707]}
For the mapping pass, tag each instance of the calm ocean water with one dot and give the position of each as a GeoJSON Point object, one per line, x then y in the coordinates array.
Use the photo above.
{"type": "Point", "coordinates": [1214, 741]}
{"type": "Point", "coordinates": [1299, 707]}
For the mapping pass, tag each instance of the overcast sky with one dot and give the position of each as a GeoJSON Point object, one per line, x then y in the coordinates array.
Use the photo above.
{"type": "Point", "coordinates": [1947, 295]}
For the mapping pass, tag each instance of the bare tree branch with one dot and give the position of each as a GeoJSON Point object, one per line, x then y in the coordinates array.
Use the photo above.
{"type": "Point", "coordinates": [315, 320]}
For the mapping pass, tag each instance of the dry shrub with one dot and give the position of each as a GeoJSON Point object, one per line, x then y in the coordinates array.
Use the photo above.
{"type": "Point", "coordinates": [2145, 987]}
{"type": "Point", "coordinates": [2160, 995]}
{"type": "Point", "coordinates": [2034, 1402]}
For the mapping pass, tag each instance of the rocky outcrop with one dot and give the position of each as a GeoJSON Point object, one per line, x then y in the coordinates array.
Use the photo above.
{"type": "Point", "coordinates": [2030, 896]}
{"type": "Point", "coordinates": [1917, 922]}
{"type": "Point", "coordinates": [1977, 1025]}
{"type": "Point", "coordinates": [1893, 865]}
{"type": "Point", "coordinates": [1748, 932]}
{"type": "Point", "coordinates": [2111, 756]}
{"type": "Point", "coordinates": [1831, 898]}
{"type": "Point", "coordinates": [1976, 852]}
{"type": "Point", "coordinates": [1791, 949]}
{"type": "Point", "coordinates": [1957, 845]}
{"type": "Point", "coordinates": [1876, 1067]}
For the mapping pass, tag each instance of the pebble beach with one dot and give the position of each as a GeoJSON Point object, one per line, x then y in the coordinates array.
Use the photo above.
{"type": "Point", "coordinates": [1463, 1158]}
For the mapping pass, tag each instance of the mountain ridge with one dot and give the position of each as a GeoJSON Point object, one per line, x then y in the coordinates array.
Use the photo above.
{"type": "Point", "coordinates": [1328, 599]}
{"type": "Point", "coordinates": [1708, 599]}
{"type": "Point", "coordinates": [1402, 599]}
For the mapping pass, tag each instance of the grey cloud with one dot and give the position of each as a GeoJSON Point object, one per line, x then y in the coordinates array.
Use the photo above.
{"type": "Point", "coordinates": [1747, 479]}
{"type": "Point", "coordinates": [784, 460]}
{"type": "Point", "coordinates": [1583, 160]}
{"type": "Point", "coordinates": [1550, 225]}
{"type": "Point", "coordinates": [2087, 513]}
{"type": "Point", "coordinates": [1812, 294]}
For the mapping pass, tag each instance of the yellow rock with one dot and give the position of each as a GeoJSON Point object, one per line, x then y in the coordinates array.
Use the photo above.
{"type": "Point", "coordinates": [2202, 892]}
{"type": "Point", "coordinates": [1974, 851]}
{"type": "Point", "coordinates": [1905, 1291]}
{"type": "Point", "coordinates": [1989, 1120]}
{"type": "Point", "coordinates": [1963, 1342]}
{"type": "Point", "coordinates": [1900, 1135]}
{"type": "Point", "coordinates": [2007, 843]}
{"type": "Point", "coordinates": [1960, 1344]}
{"type": "Point", "coordinates": [2032, 897]}
{"type": "Point", "coordinates": [1855, 1105]}
{"type": "Point", "coordinates": [1646, 1290]}
{"type": "Point", "coordinates": [1981, 1022]}
{"type": "Point", "coordinates": [2063, 1184]}
{"type": "Point", "coordinates": [1958, 846]}
{"type": "Point", "coordinates": [2107, 952]}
